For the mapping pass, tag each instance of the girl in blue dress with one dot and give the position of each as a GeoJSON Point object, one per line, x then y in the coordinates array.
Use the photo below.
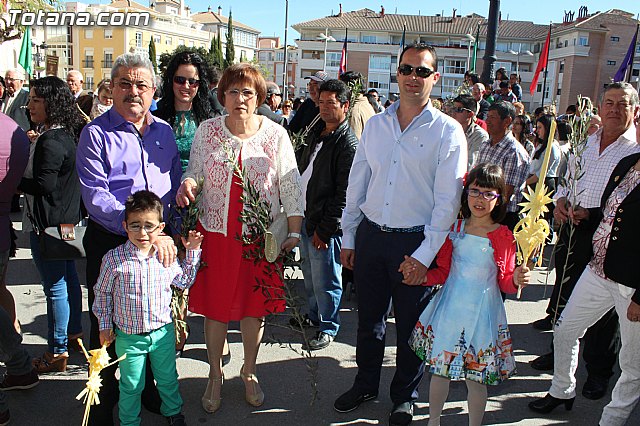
{"type": "Point", "coordinates": [463, 332]}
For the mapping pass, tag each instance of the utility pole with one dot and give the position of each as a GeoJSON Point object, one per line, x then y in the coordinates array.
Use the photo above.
{"type": "Point", "coordinates": [285, 74]}
{"type": "Point", "coordinates": [489, 57]}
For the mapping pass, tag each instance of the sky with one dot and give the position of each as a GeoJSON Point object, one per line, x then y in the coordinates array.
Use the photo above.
{"type": "Point", "coordinates": [268, 16]}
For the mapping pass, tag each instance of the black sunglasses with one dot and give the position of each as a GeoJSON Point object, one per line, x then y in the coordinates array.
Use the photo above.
{"type": "Point", "coordinates": [422, 72]}
{"type": "Point", "coordinates": [178, 79]}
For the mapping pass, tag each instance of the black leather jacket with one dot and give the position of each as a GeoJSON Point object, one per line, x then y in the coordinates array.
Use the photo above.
{"type": "Point", "coordinates": [327, 189]}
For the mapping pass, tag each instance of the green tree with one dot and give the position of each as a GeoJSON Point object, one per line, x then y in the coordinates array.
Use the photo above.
{"type": "Point", "coordinates": [152, 55]}
{"type": "Point", "coordinates": [13, 32]}
{"type": "Point", "coordinates": [230, 51]}
{"type": "Point", "coordinates": [215, 52]}
{"type": "Point", "coordinates": [166, 57]}
{"type": "Point", "coordinates": [219, 58]}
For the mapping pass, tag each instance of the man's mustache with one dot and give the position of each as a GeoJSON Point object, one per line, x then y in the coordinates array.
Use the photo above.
{"type": "Point", "coordinates": [134, 99]}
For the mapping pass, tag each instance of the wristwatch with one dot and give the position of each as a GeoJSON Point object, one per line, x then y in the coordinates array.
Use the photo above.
{"type": "Point", "coordinates": [294, 235]}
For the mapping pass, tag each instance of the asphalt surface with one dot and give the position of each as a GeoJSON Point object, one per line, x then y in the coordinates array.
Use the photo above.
{"type": "Point", "coordinates": [285, 376]}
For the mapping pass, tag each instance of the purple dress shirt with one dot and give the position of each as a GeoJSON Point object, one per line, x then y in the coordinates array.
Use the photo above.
{"type": "Point", "coordinates": [14, 154]}
{"type": "Point", "coordinates": [114, 161]}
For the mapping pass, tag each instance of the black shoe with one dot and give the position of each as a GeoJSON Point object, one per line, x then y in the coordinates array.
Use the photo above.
{"type": "Point", "coordinates": [5, 417]}
{"type": "Point", "coordinates": [544, 324]}
{"type": "Point", "coordinates": [351, 399]}
{"type": "Point", "coordinates": [176, 420]}
{"type": "Point", "coordinates": [595, 387]}
{"type": "Point", "coordinates": [543, 362]}
{"type": "Point", "coordinates": [306, 322]}
{"type": "Point", "coordinates": [548, 404]}
{"type": "Point", "coordinates": [19, 382]}
{"type": "Point", "coordinates": [321, 341]}
{"type": "Point", "coordinates": [402, 414]}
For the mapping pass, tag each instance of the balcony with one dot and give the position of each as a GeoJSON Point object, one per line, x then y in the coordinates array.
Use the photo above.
{"type": "Point", "coordinates": [107, 64]}
{"type": "Point", "coordinates": [87, 63]}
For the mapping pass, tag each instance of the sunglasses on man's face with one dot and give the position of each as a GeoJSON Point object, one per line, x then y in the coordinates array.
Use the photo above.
{"type": "Point", "coordinates": [178, 79]}
{"type": "Point", "coordinates": [422, 72]}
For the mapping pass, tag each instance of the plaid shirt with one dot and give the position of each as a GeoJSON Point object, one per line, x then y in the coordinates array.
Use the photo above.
{"type": "Point", "coordinates": [514, 160]}
{"type": "Point", "coordinates": [134, 292]}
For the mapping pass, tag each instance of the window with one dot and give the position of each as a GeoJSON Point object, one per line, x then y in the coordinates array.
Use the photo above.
{"type": "Point", "coordinates": [88, 82]}
{"type": "Point", "coordinates": [561, 67]}
{"type": "Point", "coordinates": [566, 43]}
{"type": "Point", "coordinates": [88, 34]}
{"type": "Point", "coordinates": [88, 60]}
{"type": "Point", "coordinates": [139, 39]}
{"type": "Point", "coordinates": [449, 85]}
{"type": "Point", "coordinates": [243, 56]}
{"type": "Point", "coordinates": [168, 40]}
{"type": "Point", "coordinates": [279, 56]}
{"type": "Point", "coordinates": [157, 38]}
{"type": "Point", "coordinates": [333, 59]}
{"type": "Point", "coordinates": [584, 41]}
{"type": "Point", "coordinates": [108, 60]}
{"type": "Point", "coordinates": [454, 66]}
{"type": "Point", "coordinates": [108, 33]}
{"type": "Point", "coordinates": [379, 62]}
{"type": "Point", "coordinates": [539, 88]}
{"type": "Point", "coordinates": [369, 39]}
{"type": "Point", "coordinates": [378, 81]}
{"type": "Point", "coordinates": [559, 91]}
{"type": "Point", "coordinates": [615, 39]}
{"type": "Point", "coordinates": [635, 73]}
{"type": "Point", "coordinates": [611, 62]}
{"type": "Point", "coordinates": [181, 42]}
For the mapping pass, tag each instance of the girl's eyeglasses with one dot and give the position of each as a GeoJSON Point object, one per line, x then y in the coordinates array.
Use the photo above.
{"type": "Point", "coordinates": [487, 195]}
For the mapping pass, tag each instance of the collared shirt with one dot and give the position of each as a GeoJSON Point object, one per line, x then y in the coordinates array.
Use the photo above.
{"type": "Point", "coordinates": [597, 167]}
{"type": "Point", "coordinates": [114, 161]}
{"type": "Point", "coordinates": [134, 291]}
{"type": "Point", "coordinates": [476, 136]}
{"type": "Point", "coordinates": [514, 160]}
{"type": "Point", "coordinates": [408, 178]}
{"type": "Point", "coordinates": [8, 101]}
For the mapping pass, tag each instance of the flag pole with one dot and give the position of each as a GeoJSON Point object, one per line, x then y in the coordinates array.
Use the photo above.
{"type": "Point", "coordinates": [633, 52]}
{"type": "Point", "coordinates": [546, 65]}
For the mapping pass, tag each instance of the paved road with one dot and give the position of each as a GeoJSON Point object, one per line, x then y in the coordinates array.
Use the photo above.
{"type": "Point", "coordinates": [284, 375]}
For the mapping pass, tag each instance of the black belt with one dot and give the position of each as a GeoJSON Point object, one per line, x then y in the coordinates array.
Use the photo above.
{"type": "Point", "coordinates": [385, 228]}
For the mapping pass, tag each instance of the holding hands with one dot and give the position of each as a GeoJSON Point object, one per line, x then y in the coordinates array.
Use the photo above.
{"type": "Point", "coordinates": [413, 272]}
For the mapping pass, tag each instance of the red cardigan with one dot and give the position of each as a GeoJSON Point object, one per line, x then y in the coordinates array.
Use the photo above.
{"type": "Point", "coordinates": [504, 253]}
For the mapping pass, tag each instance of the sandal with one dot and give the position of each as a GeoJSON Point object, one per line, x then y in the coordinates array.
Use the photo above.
{"type": "Point", "coordinates": [209, 403]}
{"type": "Point", "coordinates": [51, 363]}
{"type": "Point", "coordinates": [253, 392]}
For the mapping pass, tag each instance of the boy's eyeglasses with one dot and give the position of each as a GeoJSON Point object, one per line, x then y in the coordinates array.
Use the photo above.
{"type": "Point", "coordinates": [487, 195]}
{"type": "Point", "coordinates": [422, 72]}
{"type": "Point", "coordinates": [178, 79]}
{"type": "Point", "coordinates": [135, 227]}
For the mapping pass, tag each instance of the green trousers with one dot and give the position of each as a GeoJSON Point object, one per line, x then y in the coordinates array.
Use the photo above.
{"type": "Point", "coordinates": [161, 347]}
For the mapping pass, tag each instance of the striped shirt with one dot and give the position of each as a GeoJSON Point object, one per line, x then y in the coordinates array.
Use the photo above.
{"type": "Point", "coordinates": [597, 167]}
{"type": "Point", "coordinates": [514, 160]}
{"type": "Point", "coordinates": [134, 292]}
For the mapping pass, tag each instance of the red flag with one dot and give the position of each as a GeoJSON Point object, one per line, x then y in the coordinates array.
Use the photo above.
{"type": "Point", "coordinates": [542, 63]}
{"type": "Point", "coordinates": [343, 58]}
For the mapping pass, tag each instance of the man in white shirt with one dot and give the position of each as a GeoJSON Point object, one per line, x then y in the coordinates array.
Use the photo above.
{"type": "Point", "coordinates": [403, 195]}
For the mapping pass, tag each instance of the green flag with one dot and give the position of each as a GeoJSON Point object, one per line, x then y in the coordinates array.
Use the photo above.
{"type": "Point", "coordinates": [475, 51]}
{"type": "Point", "coordinates": [26, 58]}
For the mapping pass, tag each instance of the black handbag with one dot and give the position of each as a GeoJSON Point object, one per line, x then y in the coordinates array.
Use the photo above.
{"type": "Point", "coordinates": [62, 242]}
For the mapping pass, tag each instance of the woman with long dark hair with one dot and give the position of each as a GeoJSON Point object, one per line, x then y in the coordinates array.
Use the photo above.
{"type": "Point", "coordinates": [185, 103]}
{"type": "Point", "coordinates": [543, 127]}
{"type": "Point", "coordinates": [56, 200]}
{"type": "Point", "coordinates": [521, 129]}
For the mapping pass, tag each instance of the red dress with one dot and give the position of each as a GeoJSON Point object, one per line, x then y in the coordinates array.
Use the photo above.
{"type": "Point", "coordinates": [229, 287]}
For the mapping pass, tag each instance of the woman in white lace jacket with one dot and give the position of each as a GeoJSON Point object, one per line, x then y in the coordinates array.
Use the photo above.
{"type": "Point", "coordinates": [231, 287]}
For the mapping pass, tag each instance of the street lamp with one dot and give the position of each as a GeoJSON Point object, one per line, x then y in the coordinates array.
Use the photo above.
{"type": "Point", "coordinates": [38, 57]}
{"type": "Point", "coordinates": [326, 38]}
{"type": "Point", "coordinates": [518, 53]}
{"type": "Point", "coordinates": [470, 39]}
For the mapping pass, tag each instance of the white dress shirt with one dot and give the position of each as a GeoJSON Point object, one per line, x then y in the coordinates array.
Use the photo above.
{"type": "Point", "coordinates": [403, 179]}
{"type": "Point", "coordinates": [597, 167]}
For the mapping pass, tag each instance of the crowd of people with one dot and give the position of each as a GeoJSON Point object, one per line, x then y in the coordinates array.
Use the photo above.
{"type": "Point", "coordinates": [415, 202]}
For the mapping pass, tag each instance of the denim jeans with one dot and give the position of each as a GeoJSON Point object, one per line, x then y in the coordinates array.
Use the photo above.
{"type": "Point", "coordinates": [64, 297]}
{"type": "Point", "coordinates": [322, 272]}
{"type": "Point", "coordinates": [14, 356]}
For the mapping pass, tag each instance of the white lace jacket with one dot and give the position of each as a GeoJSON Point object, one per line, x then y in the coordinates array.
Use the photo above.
{"type": "Point", "coordinates": [267, 158]}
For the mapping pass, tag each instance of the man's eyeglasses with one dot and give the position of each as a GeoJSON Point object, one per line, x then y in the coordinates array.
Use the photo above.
{"type": "Point", "coordinates": [178, 79]}
{"type": "Point", "coordinates": [422, 72]}
{"type": "Point", "coordinates": [10, 79]}
{"type": "Point", "coordinates": [460, 109]}
{"type": "Point", "coordinates": [136, 227]}
{"type": "Point", "coordinates": [126, 85]}
{"type": "Point", "coordinates": [246, 93]}
{"type": "Point", "coordinates": [487, 195]}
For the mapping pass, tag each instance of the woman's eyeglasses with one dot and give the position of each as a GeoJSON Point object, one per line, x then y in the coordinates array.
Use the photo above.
{"type": "Point", "coordinates": [422, 72]}
{"type": "Point", "coordinates": [487, 195]}
{"type": "Point", "coordinates": [246, 93]}
{"type": "Point", "coordinates": [178, 79]}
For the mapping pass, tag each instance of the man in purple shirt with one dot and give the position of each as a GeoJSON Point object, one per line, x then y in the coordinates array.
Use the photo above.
{"type": "Point", "coordinates": [119, 153]}
{"type": "Point", "coordinates": [14, 154]}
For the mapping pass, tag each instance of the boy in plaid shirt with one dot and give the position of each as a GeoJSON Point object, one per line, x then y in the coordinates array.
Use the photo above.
{"type": "Point", "coordinates": [133, 293]}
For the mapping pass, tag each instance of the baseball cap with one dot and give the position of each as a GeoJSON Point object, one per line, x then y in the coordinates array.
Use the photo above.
{"type": "Point", "coordinates": [318, 76]}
